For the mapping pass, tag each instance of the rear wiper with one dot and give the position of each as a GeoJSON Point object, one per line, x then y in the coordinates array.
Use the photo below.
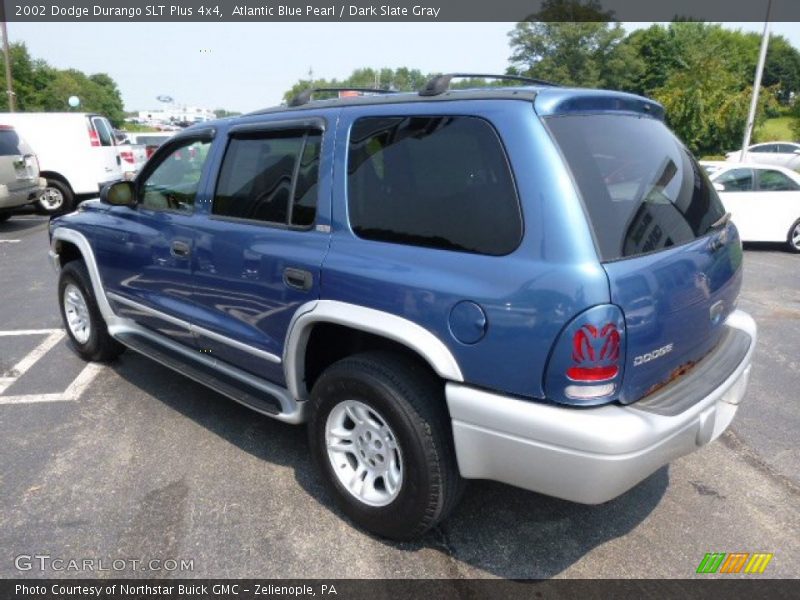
{"type": "Point", "coordinates": [721, 222]}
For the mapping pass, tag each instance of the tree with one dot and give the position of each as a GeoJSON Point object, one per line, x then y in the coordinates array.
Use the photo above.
{"type": "Point", "coordinates": [40, 87]}
{"type": "Point", "coordinates": [575, 43]}
{"type": "Point", "coordinates": [402, 79]}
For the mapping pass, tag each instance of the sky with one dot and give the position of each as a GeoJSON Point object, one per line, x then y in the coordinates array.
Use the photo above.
{"type": "Point", "coordinates": [247, 66]}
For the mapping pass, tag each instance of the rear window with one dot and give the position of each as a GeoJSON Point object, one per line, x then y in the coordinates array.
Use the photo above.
{"type": "Point", "coordinates": [642, 189]}
{"type": "Point", "coordinates": [440, 182]}
{"type": "Point", "coordinates": [11, 144]}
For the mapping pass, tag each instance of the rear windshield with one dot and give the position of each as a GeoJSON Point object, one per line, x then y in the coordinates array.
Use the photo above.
{"type": "Point", "coordinates": [11, 144]}
{"type": "Point", "coordinates": [642, 189]}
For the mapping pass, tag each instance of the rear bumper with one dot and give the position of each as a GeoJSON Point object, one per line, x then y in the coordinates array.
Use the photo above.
{"type": "Point", "coordinates": [21, 196]}
{"type": "Point", "coordinates": [586, 455]}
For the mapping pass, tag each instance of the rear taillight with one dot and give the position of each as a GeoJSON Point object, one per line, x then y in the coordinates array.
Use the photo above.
{"type": "Point", "coordinates": [127, 156]}
{"type": "Point", "coordinates": [586, 365]}
{"type": "Point", "coordinates": [94, 139]}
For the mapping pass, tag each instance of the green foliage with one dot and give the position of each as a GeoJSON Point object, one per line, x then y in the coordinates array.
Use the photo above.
{"type": "Point", "coordinates": [40, 87]}
{"type": "Point", "coordinates": [773, 130]}
{"type": "Point", "coordinates": [574, 43]}
{"type": "Point", "coordinates": [402, 79]}
{"type": "Point", "coordinates": [221, 113]}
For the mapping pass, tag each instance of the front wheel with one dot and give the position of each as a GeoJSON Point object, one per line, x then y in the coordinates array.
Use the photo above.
{"type": "Point", "coordinates": [793, 239]}
{"type": "Point", "coordinates": [56, 198]}
{"type": "Point", "coordinates": [380, 437]}
{"type": "Point", "coordinates": [81, 316]}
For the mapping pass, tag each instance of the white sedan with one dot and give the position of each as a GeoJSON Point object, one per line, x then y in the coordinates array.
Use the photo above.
{"type": "Point", "coordinates": [781, 154]}
{"type": "Point", "coordinates": [764, 201]}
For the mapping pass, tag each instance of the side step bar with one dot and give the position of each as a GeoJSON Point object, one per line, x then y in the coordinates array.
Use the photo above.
{"type": "Point", "coordinates": [250, 391]}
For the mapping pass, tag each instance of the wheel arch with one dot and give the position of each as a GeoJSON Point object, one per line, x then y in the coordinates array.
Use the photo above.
{"type": "Point", "coordinates": [58, 177]}
{"type": "Point", "coordinates": [71, 242]}
{"type": "Point", "coordinates": [394, 330]}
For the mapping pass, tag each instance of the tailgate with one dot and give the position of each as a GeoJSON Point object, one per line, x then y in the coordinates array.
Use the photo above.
{"type": "Point", "coordinates": [675, 303]}
{"type": "Point", "coordinates": [672, 258]}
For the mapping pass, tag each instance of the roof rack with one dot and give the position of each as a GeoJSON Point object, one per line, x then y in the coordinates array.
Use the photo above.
{"type": "Point", "coordinates": [441, 83]}
{"type": "Point", "coordinates": [304, 97]}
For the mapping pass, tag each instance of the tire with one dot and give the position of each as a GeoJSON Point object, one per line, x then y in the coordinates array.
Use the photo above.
{"type": "Point", "coordinates": [793, 238]}
{"type": "Point", "coordinates": [81, 316]}
{"type": "Point", "coordinates": [401, 404]}
{"type": "Point", "coordinates": [56, 199]}
{"type": "Point", "coordinates": [4, 216]}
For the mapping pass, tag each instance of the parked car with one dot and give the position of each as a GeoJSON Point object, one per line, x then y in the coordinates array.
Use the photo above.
{"type": "Point", "coordinates": [532, 284]}
{"type": "Point", "coordinates": [132, 158]}
{"type": "Point", "coordinates": [20, 183]}
{"type": "Point", "coordinates": [764, 202]}
{"type": "Point", "coordinates": [76, 152]}
{"type": "Point", "coordinates": [783, 154]}
{"type": "Point", "coordinates": [150, 140]}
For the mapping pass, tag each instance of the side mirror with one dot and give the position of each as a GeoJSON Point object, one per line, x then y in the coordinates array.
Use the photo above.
{"type": "Point", "coordinates": [719, 187]}
{"type": "Point", "coordinates": [119, 193]}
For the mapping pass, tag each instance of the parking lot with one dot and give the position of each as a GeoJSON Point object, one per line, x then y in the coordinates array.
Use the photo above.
{"type": "Point", "coordinates": [133, 461]}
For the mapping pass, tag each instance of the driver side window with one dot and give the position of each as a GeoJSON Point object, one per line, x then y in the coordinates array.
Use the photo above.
{"type": "Point", "coordinates": [174, 182]}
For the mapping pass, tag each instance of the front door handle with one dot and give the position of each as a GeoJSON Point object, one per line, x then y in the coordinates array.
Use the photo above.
{"type": "Point", "coordinates": [298, 279]}
{"type": "Point", "coordinates": [180, 249]}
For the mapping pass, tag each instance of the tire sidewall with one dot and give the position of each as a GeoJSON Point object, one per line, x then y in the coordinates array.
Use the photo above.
{"type": "Point", "coordinates": [791, 246]}
{"type": "Point", "coordinates": [410, 504]}
{"type": "Point", "coordinates": [72, 274]}
{"type": "Point", "coordinates": [66, 193]}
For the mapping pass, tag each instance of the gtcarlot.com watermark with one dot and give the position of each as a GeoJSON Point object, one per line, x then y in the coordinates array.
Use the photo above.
{"type": "Point", "coordinates": [58, 564]}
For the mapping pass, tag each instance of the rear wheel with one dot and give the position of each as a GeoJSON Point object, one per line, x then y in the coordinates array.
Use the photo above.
{"type": "Point", "coordinates": [793, 239]}
{"type": "Point", "coordinates": [380, 436]}
{"type": "Point", "coordinates": [56, 198]}
{"type": "Point", "coordinates": [81, 316]}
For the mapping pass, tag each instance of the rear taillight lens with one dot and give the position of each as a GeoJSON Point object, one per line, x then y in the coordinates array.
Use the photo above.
{"type": "Point", "coordinates": [94, 139]}
{"type": "Point", "coordinates": [127, 156]}
{"type": "Point", "coordinates": [586, 364]}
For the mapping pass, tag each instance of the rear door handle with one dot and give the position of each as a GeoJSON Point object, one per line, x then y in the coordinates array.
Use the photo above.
{"type": "Point", "coordinates": [180, 249]}
{"type": "Point", "coordinates": [298, 279]}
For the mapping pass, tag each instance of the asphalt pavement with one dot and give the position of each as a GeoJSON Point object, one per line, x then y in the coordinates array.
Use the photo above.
{"type": "Point", "coordinates": [132, 461]}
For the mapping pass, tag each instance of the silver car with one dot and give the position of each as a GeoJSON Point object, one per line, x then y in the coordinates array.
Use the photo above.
{"type": "Point", "coordinates": [20, 183]}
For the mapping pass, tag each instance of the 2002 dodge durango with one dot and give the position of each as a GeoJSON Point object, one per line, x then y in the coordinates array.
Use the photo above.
{"type": "Point", "coordinates": [530, 284]}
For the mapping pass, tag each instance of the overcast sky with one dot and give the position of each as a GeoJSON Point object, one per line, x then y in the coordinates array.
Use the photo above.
{"type": "Point", "coordinates": [245, 66]}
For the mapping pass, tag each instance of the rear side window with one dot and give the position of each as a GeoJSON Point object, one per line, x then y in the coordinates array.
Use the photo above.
{"type": "Point", "coordinates": [642, 189]}
{"type": "Point", "coordinates": [775, 181]}
{"type": "Point", "coordinates": [441, 182]}
{"type": "Point", "coordinates": [270, 177]}
{"type": "Point", "coordinates": [11, 144]}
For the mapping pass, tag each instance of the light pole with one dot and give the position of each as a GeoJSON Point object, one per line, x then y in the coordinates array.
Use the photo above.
{"type": "Point", "coordinates": [751, 117]}
{"type": "Point", "coordinates": [7, 56]}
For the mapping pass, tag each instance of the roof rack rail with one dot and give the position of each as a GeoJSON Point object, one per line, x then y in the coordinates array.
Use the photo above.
{"type": "Point", "coordinates": [441, 83]}
{"type": "Point", "coordinates": [304, 97]}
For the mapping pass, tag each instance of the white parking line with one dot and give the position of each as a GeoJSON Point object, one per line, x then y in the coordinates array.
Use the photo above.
{"type": "Point", "coordinates": [9, 241]}
{"type": "Point", "coordinates": [54, 336]}
{"type": "Point", "coordinates": [72, 393]}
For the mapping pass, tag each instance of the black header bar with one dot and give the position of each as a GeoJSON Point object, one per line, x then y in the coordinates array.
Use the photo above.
{"type": "Point", "coordinates": [394, 10]}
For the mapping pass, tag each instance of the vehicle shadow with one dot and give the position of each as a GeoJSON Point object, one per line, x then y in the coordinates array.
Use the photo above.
{"type": "Point", "coordinates": [767, 246]}
{"type": "Point", "coordinates": [18, 225]}
{"type": "Point", "coordinates": [504, 531]}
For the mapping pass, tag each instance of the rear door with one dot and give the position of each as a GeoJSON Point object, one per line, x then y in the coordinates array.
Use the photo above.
{"type": "Point", "coordinates": [19, 171]}
{"type": "Point", "coordinates": [259, 253]}
{"type": "Point", "coordinates": [779, 196]}
{"type": "Point", "coordinates": [674, 267]}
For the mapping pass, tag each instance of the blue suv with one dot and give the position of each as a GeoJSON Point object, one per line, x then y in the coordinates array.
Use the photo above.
{"type": "Point", "coordinates": [530, 284]}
